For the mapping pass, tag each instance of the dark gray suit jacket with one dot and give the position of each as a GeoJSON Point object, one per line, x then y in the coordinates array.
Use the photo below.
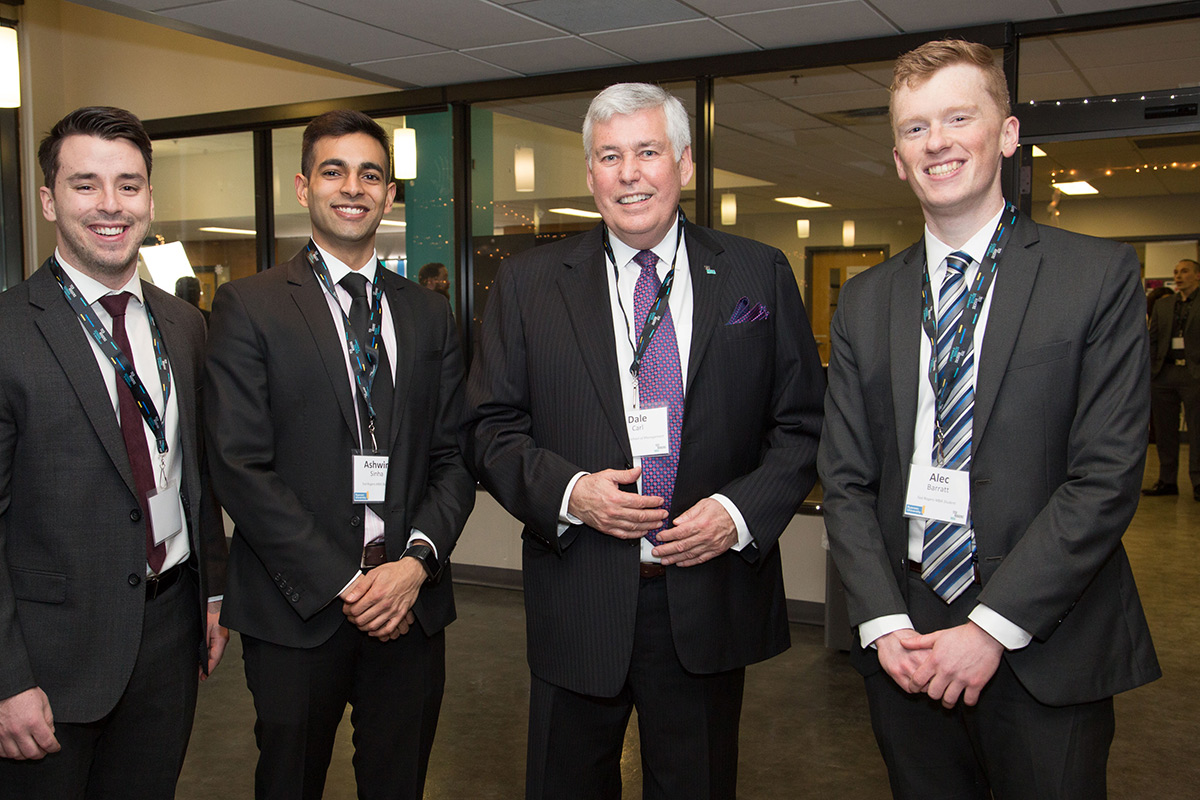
{"type": "Point", "coordinates": [545, 403]}
{"type": "Point", "coordinates": [1162, 318]}
{"type": "Point", "coordinates": [281, 431]}
{"type": "Point", "coordinates": [72, 538]}
{"type": "Point", "coordinates": [1061, 408]}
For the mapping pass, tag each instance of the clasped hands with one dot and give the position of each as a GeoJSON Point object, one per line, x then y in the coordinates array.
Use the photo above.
{"type": "Point", "coordinates": [380, 601]}
{"type": "Point", "coordinates": [946, 664]}
{"type": "Point", "coordinates": [699, 534]}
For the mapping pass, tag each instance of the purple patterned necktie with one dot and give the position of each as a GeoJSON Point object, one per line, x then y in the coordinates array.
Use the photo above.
{"type": "Point", "coordinates": [660, 384]}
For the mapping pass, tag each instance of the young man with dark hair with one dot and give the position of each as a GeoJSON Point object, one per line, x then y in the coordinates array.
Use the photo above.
{"type": "Point", "coordinates": [333, 396]}
{"type": "Point", "coordinates": [112, 554]}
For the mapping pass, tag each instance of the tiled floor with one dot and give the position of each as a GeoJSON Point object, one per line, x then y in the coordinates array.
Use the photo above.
{"type": "Point", "coordinates": [804, 726]}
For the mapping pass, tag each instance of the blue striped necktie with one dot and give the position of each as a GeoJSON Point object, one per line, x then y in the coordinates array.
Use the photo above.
{"type": "Point", "coordinates": [946, 558]}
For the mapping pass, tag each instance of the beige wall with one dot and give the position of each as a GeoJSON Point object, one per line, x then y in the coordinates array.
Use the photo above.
{"type": "Point", "coordinates": [76, 56]}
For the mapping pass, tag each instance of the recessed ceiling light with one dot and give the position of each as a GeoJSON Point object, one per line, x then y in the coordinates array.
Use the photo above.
{"type": "Point", "coordinates": [575, 212]}
{"type": "Point", "coordinates": [803, 202]}
{"type": "Point", "coordinates": [1038, 152]}
{"type": "Point", "coordinates": [394, 223]}
{"type": "Point", "coordinates": [1076, 187]}
{"type": "Point", "coordinates": [239, 231]}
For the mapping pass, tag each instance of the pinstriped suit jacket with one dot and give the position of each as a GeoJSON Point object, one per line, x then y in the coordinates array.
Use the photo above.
{"type": "Point", "coordinates": [545, 403]}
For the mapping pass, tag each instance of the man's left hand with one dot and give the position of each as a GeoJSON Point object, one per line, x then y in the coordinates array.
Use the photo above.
{"type": "Point", "coordinates": [961, 662]}
{"type": "Point", "coordinates": [699, 534]}
{"type": "Point", "coordinates": [216, 636]}
{"type": "Point", "coordinates": [380, 602]}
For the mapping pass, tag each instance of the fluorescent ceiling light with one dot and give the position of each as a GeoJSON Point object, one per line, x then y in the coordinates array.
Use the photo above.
{"type": "Point", "coordinates": [239, 231]}
{"type": "Point", "coordinates": [575, 212]}
{"type": "Point", "coordinates": [803, 202]}
{"type": "Point", "coordinates": [1038, 152]}
{"type": "Point", "coordinates": [1076, 187]}
{"type": "Point", "coordinates": [394, 223]}
{"type": "Point", "coordinates": [167, 264]}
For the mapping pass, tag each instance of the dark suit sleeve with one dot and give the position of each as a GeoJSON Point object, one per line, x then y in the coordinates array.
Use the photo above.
{"type": "Point", "coordinates": [1073, 536]}
{"type": "Point", "coordinates": [529, 481]}
{"type": "Point", "coordinates": [450, 488]}
{"type": "Point", "coordinates": [1160, 331]}
{"type": "Point", "coordinates": [241, 439]}
{"type": "Point", "coordinates": [212, 527]}
{"type": "Point", "coordinates": [16, 673]}
{"type": "Point", "coordinates": [850, 471]}
{"type": "Point", "coordinates": [769, 495]}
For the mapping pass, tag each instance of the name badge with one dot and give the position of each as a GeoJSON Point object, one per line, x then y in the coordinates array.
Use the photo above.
{"type": "Point", "coordinates": [370, 478]}
{"type": "Point", "coordinates": [165, 518]}
{"type": "Point", "coordinates": [1177, 343]}
{"type": "Point", "coordinates": [648, 434]}
{"type": "Point", "coordinates": [943, 495]}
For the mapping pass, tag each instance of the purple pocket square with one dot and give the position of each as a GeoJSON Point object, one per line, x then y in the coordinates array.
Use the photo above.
{"type": "Point", "coordinates": [744, 312]}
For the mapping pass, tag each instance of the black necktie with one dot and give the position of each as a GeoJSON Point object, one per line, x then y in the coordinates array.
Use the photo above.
{"type": "Point", "coordinates": [381, 390]}
{"type": "Point", "coordinates": [132, 430]}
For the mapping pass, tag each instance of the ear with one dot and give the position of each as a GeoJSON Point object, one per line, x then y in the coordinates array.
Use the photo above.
{"type": "Point", "coordinates": [1010, 136]}
{"type": "Point", "coordinates": [391, 197]}
{"type": "Point", "coordinates": [151, 190]}
{"type": "Point", "coordinates": [302, 189]}
{"type": "Point", "coordinates": [591, 189]}
{"type": "Point", "coordinates": [686, 167]}
{"type": "Point", "coordinates": [46, 195]}
{"type": "Point", "coordinates": [899, 165]}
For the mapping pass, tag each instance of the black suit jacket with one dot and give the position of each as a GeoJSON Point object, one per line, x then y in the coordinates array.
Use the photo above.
{"type": "Point", "coordinates": [1162, 319]}
{"type": "Point", "coordinates": [1059, 442]}
{"type": "Point", "coordinates": [72, 538]}
{"type": "Point", "coordinates": [545, 403]}
{"type": "Point", "coordinates": [282, 427]}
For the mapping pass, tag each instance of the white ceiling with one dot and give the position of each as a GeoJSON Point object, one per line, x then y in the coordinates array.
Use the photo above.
{"type": "Point", "coordinates": [409, 43]}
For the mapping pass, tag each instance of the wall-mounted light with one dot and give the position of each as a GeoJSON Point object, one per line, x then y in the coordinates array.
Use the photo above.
{"type": "Point", "coordinates": [523, 172]}
{"type": "Point", "coordinates": [729, 209]}
{"type": "Point", "coordinates": [848, 233]}
{"type": "Point", "coordinates": [404, 154]}
{"type": "Point", "coordinates": [10, 69]}
{"type": "Point", "coordinates": [802, 228]}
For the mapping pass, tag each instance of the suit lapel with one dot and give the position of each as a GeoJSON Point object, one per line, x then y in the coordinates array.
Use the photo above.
{"type": "Point", "coordinates": [703, 254]}
{"type": "Point", "coordinates": [309, 298]}
{"type": "Point", "coordinates": [1015, 276]}
{"type": "Point", "coordinates": [904, 338]}
{"type": "Point", "coordinates": [70, 346]}
{"type": "Point", "coordinates": [406, 335]}
{"type": "Point", "coordinates": [584, 288]}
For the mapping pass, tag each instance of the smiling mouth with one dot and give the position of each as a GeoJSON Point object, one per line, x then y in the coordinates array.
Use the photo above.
{"type": "Point", "coordinates": [108, 230]}
{"type": "Point", "coordinates": [629, 199]}
{"type": "Point", "coordinates": [350, 211]}
{"type": "Point", "coordinates": [940, 170]}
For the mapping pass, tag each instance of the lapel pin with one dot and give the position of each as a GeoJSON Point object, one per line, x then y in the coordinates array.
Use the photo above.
{"type": "Point", "coordinates": [709, 270]}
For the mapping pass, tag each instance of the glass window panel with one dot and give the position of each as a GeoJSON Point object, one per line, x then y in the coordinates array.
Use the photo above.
{"type": "Point", "coordinates": [204, 199]}
{"type": "Point", "coordinates": [508, 216]}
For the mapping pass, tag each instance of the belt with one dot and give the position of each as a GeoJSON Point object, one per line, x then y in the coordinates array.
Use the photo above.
{"type": "Point", "coordinates": [374, 555]}
{"type": "Point", "coordinates": [648, 569]}
{"type": "Point", "coordinates": [157, 584]}
{"type": "Point", "coordinates": [915, 566]}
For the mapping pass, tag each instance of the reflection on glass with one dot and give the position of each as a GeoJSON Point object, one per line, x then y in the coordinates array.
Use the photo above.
{"type": "Point", "coordinates": [204, 200]}
{"type": "Point", "coordinates": [529, 179]}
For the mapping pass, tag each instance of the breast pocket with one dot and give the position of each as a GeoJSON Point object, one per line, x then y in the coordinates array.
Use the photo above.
{"type": "Point", "coordinates": [1039, 354]}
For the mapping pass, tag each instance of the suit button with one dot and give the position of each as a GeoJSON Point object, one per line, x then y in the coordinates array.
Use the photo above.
{"type": "Point", "coordinates": [134, 579]}
{"type": "Point", "coordinates": [295, 598]}
{"type": "Point", "coordinates": [355, 521]}
{"type": "Point", "coordinates": [135, 515]}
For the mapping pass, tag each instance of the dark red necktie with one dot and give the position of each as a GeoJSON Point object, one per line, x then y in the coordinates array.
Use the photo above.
{"type": "Point", "coordinates": [133, 431]}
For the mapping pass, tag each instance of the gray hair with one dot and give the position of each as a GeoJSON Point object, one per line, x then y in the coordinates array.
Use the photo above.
{"type": "Point", "coordinates": [630, 98]}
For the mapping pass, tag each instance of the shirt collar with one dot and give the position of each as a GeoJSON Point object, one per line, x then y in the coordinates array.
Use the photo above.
{"type": "Point", "coordinates": [91, 289]}
{"type": "Point", "coordinates": [976, 247]}
{"type": "Point", "coordinates": [665, 250]}
{"type": "Point", "coordinates": [339, 269]}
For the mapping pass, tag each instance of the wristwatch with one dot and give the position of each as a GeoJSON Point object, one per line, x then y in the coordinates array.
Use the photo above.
{"type": "Point", "coordinates": [424, 554]}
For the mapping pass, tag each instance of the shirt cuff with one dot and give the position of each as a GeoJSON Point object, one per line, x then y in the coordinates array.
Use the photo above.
{"type": "Point", "coordinates": [872, 629]}
{"type": "Point", "coordinates": [743, 532]}
{"type": "Point", "coordinates": [1000, 628]}
{"type": "Point", "coordinates": [565, 518]}
{"type": "Point", "coordinates": [216, 598]}
{"type": "Point", "coordinates": [415, 535]}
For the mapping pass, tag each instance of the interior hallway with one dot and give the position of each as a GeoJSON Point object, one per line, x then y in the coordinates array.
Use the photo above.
{"type": "Point", "coordinates": [805, 731]}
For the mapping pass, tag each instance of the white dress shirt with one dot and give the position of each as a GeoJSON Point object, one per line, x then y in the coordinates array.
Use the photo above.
{"type": "Point", "coordinates": [626, 329]}
{"type": "Point", "coordinates": [339, 310]}
{"type": "Point", "coordinates": [1001, 629]}
{"type": "Point", "coordinates": [168, 467]}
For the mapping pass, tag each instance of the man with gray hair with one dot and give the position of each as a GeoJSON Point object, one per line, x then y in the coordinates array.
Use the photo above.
{"type": "Point", "coordinates": [654, 444]}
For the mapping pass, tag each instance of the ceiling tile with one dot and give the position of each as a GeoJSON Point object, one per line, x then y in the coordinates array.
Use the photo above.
{"type": "Point", "coordinates": [551, 55]}
{"type": "Point", "coordinates": [1089, 6]}
{"type": "Point", "coordinates": [1042, 55]}
{"type": "Point", "coordinates": [585, 17]}
{"type": "Point", "coordinates": [436, 69]}
{"type": "Point", "coordinates": [924, 15]}
{"type": "Point", "coordinates": [260, 20]}
{"type": "Point", "coordinates": [828, 22]}
{"type": "Point", "coordinates": [696, 38]}
{"type": "Point", "coordinates": [441, 21]}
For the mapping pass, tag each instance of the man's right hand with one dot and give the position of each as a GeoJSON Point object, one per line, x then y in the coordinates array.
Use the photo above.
{"type": "Point", "coordinates": [27, 726]}
{"type": "Point", "coordinates": [597, 499]}
{"type": "Point", "coordinates": [898, 661]}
